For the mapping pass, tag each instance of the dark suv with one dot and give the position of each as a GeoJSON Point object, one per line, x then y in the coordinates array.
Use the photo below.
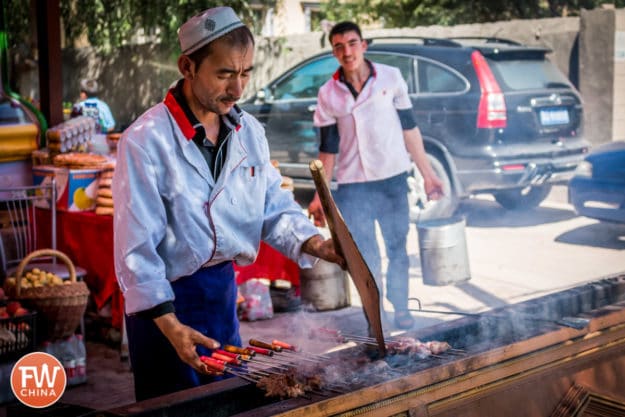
{"type": "Point", "coordinates": [496, 116]}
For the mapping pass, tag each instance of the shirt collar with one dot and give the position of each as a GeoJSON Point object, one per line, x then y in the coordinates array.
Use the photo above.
{"type": "Point", "coordinates": [186, 120]}
{"type": "Point", "coordinates": [339, 75]}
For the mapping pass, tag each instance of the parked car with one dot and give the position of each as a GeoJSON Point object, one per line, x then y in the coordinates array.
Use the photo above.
{"type": "Point", "coordinates": [497, 117]}
{"type": "Point", "coordinates": [598, 188]}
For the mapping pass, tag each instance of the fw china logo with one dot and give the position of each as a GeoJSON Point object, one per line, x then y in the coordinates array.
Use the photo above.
{"type": "Point", "coordinates": [38, 380]}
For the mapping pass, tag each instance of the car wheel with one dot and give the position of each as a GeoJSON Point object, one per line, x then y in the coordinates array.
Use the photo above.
{"type": "Point", "coordinates": [522, 198]}
{"type": "Point", "coordinates": [420, 208]}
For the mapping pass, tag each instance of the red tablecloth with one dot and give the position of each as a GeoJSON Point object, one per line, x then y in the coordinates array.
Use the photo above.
{"type": "Point", "coordinates": [87, 239]}
{"type": "Point", "coordinates": [269, 264]}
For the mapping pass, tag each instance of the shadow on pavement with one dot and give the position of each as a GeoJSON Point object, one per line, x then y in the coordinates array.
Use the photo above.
{"type": "Point", "coordinates": [486, 213]}
{"type": "Point", "coordinates": [600, 235]}
{"type": "Point", "coordinates": [484, 297]}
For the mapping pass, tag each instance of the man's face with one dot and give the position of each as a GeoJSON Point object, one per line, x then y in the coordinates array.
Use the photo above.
{"type": "Point", "coordinates": [218, 82]}
{"type": "Point", "coordinates": [349, 49]}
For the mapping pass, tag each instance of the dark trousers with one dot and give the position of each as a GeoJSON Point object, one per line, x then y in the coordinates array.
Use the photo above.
{"type": "Point", "coordinates": [205, 301]}
{"type": "Point", "coordinates": [384, 202]}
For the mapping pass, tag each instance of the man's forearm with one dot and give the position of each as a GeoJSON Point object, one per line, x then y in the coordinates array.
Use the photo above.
{"type": "Point", "coordinates": [168, 324]}
{"type": "Point", "coordinates": [416, 149]}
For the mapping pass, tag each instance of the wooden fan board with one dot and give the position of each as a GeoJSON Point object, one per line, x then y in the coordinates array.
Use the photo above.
{"type": "Point", "coordinates": [344, 243]}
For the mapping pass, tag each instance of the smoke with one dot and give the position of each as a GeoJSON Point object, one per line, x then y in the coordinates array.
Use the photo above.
{"type": "Point", "coordinates": [348, 366]}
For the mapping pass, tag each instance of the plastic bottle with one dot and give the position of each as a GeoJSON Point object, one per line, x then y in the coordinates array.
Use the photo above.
{"type": "Point", "coordinates": [67, 356]}
{"type": "Point", "coordinates": [81, 359]}
{"type": "Point", "coordinates": [49, 347]}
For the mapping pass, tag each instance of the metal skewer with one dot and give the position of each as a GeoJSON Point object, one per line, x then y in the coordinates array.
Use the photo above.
{"type": "Point", "coordinates": [287, 347]}
{"type": "Point", "coordinates": [296, 355]}
{"type": "Point", "coordinates": [270, 362]}
{"type": "Point", "coordinates": [371, 341]}
{"type": "Point", "coordinates": [257, 344]}
{"type": "Point", "coordinates": [220, 366]}
{"type": "Point", "coordinates": [342, 338]}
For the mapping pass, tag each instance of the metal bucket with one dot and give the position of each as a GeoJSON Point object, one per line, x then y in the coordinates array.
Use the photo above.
{"type": "Point", "coordinates": [443, 251]}
{"type": "Point", "coordinates": [325, 286]}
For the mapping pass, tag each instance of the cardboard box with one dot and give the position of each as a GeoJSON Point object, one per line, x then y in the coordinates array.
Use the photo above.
{"type": "Point", "coordinates": [76, 189]}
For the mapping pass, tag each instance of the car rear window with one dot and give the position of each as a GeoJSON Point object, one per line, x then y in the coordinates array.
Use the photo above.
{"type": "Point", "coordinates": [434, 78]}
{"type": "Point", "coordinates": [512, 75]}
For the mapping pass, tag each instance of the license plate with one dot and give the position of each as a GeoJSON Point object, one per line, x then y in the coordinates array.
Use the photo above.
{"type": "Point", "coordinates": [555, 116]}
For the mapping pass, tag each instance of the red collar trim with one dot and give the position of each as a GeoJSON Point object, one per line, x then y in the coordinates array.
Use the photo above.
{"type": "Point", "coordinates": [374, 73]}
{"type": "Point", "coordinates": [181, 119]}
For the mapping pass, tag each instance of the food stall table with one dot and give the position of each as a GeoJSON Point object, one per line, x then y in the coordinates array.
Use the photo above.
{"type": "Point", "coordinates": [87, 239]}
{"type": "Point", "coordinates": [269, 264]}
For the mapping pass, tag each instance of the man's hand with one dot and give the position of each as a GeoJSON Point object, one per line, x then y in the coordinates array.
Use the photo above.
{"type": "Point", "coordinates": [323, 249]}
{"type": "Point", "coordinates": [316, 211]}
{"type": "Point", "coordinates": [184, 339]}
{"type": "Point", "coordinates": [414, 145]}
{"type": "Point", "coordinates": [433, 187]}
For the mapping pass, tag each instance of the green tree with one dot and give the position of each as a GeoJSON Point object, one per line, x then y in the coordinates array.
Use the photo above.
{"type": "Point", "coordinates": [111, 23]}
{"type": "Point", "coordinates": [108, 24]}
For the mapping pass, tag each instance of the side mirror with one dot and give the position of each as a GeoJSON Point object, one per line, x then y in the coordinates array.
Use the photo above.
{"type": "Point", "coordinates": [261, 96]}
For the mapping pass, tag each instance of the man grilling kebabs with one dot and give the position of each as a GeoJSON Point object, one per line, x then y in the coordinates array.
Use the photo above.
{"type": "Point", "coordinates": [194, 191]}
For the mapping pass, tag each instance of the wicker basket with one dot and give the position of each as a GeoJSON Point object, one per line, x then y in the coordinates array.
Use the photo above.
{"type": "Point", "coordinates": [60, 307]}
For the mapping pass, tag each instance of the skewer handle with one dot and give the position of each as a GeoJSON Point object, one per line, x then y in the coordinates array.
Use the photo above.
{"type": "Point", "coordinates": [258, 343]}
{"type": "Point", "coordinates": [284, 345]}
{"type": "Point", "coordinates": [331, 332]}
{"type": "Point", "coordinates": [261, 351]}
{"type": "Point", "coordinates": [239, 350]}
{"type": "Point", "coordinates": [226, 359]}
{"type": "Point", "coordinates": [326, 334]}
{"type": "Point", "coordinates": [214, 364]}
{"type": "Point", "coordinates": [220, 366]}
{"type": "Point", "coordinates": [228, 354]}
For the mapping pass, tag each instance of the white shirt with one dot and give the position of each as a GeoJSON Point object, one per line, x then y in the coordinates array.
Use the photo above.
{"type": "Point", "coordinates": [171, 217]}
{"type": "Point", "coordinates": [371, 145]}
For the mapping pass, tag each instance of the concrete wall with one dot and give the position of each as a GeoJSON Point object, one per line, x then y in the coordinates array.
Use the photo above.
{"type": "Point", "coordinates": [136, 77]}
{"type": "Point", "coordinates": [596, 47]}
{"type": "Point", "coordinates": [133, 78]}
{"type": "Point", "coordinates": [618, 125]}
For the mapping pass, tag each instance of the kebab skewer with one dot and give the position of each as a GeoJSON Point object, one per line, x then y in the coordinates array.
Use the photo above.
{"type": "Point", "coordinates": [398, 344]}
{"type": "Point", "coordinates": [285, 349]}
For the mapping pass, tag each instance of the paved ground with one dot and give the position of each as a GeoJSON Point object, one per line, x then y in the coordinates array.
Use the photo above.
{"type": "Point", "coordinates": [512, 256]}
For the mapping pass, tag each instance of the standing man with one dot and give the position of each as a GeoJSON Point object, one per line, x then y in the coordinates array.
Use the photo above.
{"type": "Point", "coordinates": [368, 128]}
{"type": "Point", "coordinates": [194, 191]}
{"type": "Point", "coordinates": [90, 105]}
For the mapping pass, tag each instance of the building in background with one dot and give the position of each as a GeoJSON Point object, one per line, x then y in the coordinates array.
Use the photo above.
{"type": "Point", "coordinates": [286, 17]}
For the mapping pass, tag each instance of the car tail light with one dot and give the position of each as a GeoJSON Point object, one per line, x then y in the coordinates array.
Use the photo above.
{"type": "Point", "coordinates": [491, 112]}
{"type": "Point", "coordinates": [513, 167]}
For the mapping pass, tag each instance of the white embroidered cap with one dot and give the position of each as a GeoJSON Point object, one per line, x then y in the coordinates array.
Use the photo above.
{"type": "Point", "coordinates": [205, 27]}
{"type": "Point", "coordinates": [89, 86]}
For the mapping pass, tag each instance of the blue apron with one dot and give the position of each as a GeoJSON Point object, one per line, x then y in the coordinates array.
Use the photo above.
{"type": "Point", "coordinates": [205, 301]}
